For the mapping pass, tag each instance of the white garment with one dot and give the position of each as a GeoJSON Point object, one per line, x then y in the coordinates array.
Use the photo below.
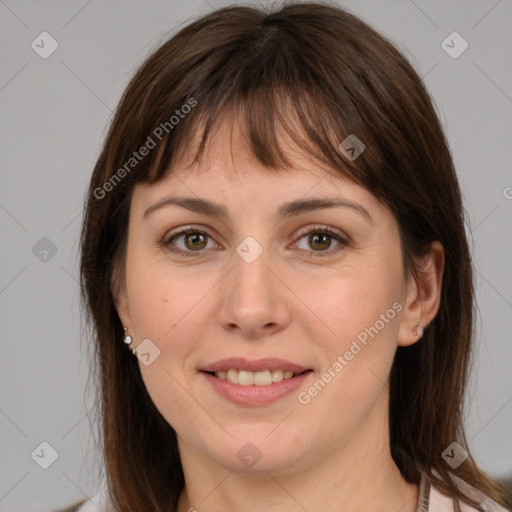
{"type": "Point", "coordinates": [440, 503]}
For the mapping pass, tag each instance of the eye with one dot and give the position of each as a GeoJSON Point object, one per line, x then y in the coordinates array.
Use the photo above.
{"type": "Point", "coordinates": [187, 241]}
{"type": "Point", "coordinates": [193, 242]}
{"type": "Point", "coordinates": [319, 240]}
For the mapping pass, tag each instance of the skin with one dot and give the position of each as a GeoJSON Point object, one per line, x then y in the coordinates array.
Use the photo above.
{"type": "Point", "coordinates": [288, 303]}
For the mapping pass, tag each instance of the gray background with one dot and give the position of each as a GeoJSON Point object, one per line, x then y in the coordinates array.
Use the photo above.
{"type": "Point", "coordinates": [54, 114]}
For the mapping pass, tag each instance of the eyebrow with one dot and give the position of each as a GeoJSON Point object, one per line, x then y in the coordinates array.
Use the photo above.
{"type": "Point", "coordinates": [290, 209]}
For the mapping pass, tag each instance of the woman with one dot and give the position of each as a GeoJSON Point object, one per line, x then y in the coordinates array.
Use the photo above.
{"type": "Point", "coordinates": [274, 228]}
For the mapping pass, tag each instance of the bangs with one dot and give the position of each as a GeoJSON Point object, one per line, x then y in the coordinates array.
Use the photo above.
{"type": "Point", "coordinates": [272, 122]}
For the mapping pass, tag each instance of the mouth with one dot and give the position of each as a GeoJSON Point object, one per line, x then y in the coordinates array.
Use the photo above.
{"type": "Point", "coordinates": [254, 383]}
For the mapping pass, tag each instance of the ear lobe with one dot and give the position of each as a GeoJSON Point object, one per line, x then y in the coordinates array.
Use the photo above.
{"type": "Point", "coordinates": [423, 296]}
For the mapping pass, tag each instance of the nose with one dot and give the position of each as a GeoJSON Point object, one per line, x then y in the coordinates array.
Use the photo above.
{"type": "Point", "coordinates": [254, 300]}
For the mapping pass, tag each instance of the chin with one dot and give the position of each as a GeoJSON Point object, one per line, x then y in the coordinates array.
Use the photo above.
{"type": "Point", "coordinates": [260, 451]}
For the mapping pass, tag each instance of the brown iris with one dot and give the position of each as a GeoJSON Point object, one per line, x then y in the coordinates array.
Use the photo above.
{"type": "Point", "coordinates": [195, 241]}
{"type": "Point", "coordinates": [320, 240]}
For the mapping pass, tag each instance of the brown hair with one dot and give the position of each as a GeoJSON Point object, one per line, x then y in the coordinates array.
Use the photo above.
{"type": "Point", "coordinates": [337, 77]}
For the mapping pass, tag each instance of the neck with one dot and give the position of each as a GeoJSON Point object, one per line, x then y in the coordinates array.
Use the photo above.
{"type": "Point", "coordinates": [358, 475]}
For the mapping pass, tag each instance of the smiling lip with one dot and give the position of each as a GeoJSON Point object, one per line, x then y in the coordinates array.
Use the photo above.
{"type": "Point", "coordinates": [240, 363]}
{"type": "Point", "coordinates": [255, 395]}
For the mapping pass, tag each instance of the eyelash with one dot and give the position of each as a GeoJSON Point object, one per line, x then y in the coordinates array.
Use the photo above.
{"type": "Point", "coordinates": [317, 230]}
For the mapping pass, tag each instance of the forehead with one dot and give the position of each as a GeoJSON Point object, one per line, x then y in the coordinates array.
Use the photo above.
{"type": "Point", "coordinates": [227, 163]}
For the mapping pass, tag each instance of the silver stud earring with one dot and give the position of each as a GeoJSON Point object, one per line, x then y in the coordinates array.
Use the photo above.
{"type": "Point", "coordinates": [128, 340]}
{"type": "Point", "coordinates": [418, 330]}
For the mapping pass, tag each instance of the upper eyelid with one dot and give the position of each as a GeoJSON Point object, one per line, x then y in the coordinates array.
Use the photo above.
{"type": "Point", "coordinates": [331, 231]}
{"type": "Point", "coordinates": [319, 227]}
{"type": "Point", "coordinates": [184, 230]}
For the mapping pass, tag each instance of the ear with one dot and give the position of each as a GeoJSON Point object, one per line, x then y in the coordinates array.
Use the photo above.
{"type": "Point", "coordinates": [423, 295]}
{"type": "Point", "coordinates": [121, 304]}
{"type": "Point", "coordinates": [118, 289]}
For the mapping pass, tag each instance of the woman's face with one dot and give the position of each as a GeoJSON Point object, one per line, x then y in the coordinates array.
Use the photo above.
{"type": "Point", "coordinates": [259, 279]}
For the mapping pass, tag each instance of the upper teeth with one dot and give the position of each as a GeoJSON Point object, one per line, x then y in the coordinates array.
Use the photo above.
{"type": "Point", "coordinates": [246, 378]}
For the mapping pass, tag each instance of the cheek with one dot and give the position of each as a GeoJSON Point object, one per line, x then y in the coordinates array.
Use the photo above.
{"type": "Point", "coordinates": [167, 309]}
{"type": "Point", "coordinates": [362, 310]}
{"type": "Point", "coordinates": [357, 358]}
{"type": "Point", "coordinates": [355, 301]}
{"type": "Point", "coordinates": [162, 299]}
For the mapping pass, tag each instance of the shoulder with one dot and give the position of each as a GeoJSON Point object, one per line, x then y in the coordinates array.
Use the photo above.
{"type": "Point", "coordinates": [94, 504]}
{"type": "Point", "coordinates": [76, 507]}
{"type": "Point", "coordinates": [440, 502]}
